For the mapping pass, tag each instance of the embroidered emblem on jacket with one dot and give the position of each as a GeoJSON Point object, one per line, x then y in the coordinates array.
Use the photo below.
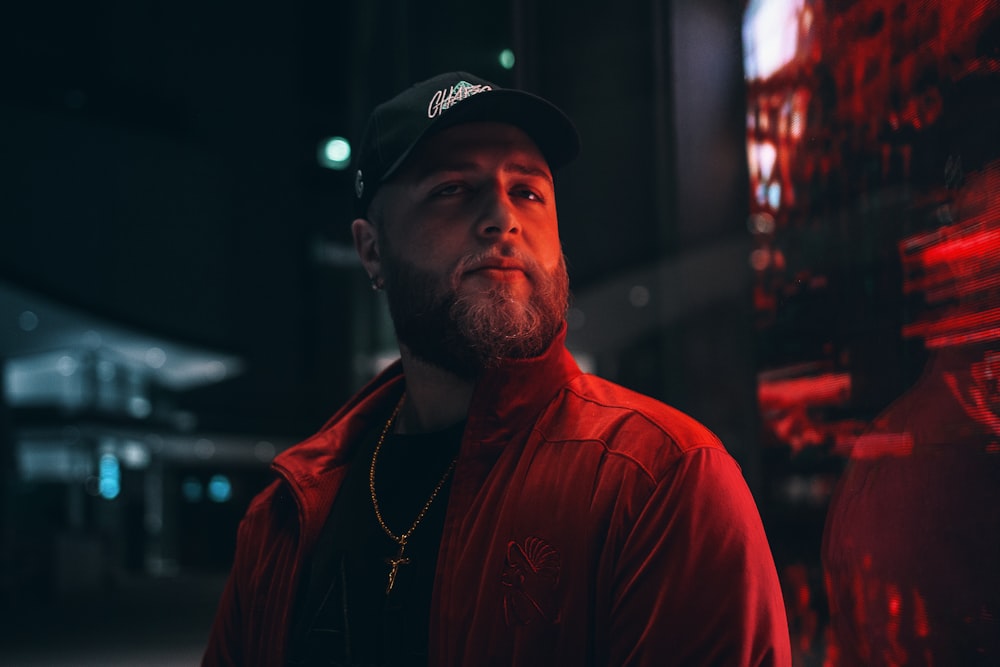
{"type": "Point", "coordinates": [530, 576]}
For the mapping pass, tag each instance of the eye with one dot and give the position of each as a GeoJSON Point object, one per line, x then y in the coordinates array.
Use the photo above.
{"type": "Point", "coordinates": [449, 190]}
{"type": "Point", "coordinates": [529, 194]}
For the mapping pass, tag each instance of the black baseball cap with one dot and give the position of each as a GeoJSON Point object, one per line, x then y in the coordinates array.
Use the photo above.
{"type": "Point", "coordinates": [396, 126]}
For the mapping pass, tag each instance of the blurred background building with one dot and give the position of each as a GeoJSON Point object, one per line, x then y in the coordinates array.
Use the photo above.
{"type": "Point", "coordinates": [755, 233]}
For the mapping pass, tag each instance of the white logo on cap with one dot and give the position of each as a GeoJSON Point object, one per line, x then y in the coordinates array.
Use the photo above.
{"type": "Point", "coordinates": [444, 99]}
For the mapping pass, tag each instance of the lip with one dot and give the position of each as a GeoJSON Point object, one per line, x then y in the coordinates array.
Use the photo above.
{"type": "Point", "coordinates": [499, 268]}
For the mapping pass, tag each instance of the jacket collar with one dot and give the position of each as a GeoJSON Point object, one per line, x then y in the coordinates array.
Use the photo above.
{"type": "Point", "coordinates": [511, 396]}
{"type": "Point", "coordinates": [505, 400]}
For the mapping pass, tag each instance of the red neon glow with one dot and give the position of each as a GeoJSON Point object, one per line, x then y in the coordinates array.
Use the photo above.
{"type": "Point", "coordinates": [921, 626]}
{"type": "Point", "coordinates": [979, 245]}
{"type": "Point", "coordinates": [879, 445]}
{"type": "Point", "coordinates": [792, 408]}
{"type": "Point", "coordinates": [825, 389]}
{"type": "Point", "coordinates": [961, 324]}
{"type": "Point", "coordinates": [894, 653]}
{"type": "Point", "coordinates": [951, 340]}
{"type": "Point", "coordinates": [895, 602]}
{"type": "Point", "coordinates": [942, 285]}
{"type": "Point", "coordinates": [956, 268]}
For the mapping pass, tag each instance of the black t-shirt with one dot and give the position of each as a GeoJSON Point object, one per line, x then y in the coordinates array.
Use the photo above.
{"type": "Point", "coordinates": [343, 615]}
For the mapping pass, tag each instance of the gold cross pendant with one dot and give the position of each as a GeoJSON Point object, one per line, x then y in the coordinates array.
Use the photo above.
{"type": "Point", "coordinates": [395, 563]}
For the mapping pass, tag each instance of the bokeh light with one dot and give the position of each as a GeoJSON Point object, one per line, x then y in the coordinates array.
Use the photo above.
{"type": "Point", "coordinates": [507, 59]}
{"type": "Point", "coordinates": [335, 153]}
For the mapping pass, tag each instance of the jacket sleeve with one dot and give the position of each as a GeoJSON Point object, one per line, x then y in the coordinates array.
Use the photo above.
{"type": "Point", "coordinates": [252, 620]}
{"type": "Point", "coordinates": [225, 638]}
{"type": "Point", "coordinates": [695, 582]}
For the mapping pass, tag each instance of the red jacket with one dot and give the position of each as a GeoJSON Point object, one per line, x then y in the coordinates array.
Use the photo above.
{"type": "Point", "coordinates": [586, 525]}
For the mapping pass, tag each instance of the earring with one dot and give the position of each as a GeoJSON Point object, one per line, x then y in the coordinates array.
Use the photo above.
{"type": "Point", "coordinates": [377, 284]}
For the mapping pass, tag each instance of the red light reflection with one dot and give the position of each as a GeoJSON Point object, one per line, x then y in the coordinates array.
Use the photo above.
{"type": "Point", "coordinates": [859, 115]}
{"type": "Point", "coordinates": [824, 389]}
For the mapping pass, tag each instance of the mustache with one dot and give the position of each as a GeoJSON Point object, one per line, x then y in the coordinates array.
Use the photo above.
{"type": "Point", "coordinates": [508, 253]}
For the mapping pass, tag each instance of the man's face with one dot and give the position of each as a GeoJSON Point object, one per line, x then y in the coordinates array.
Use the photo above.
{"type": "Point", "coordinates": [470, 249]}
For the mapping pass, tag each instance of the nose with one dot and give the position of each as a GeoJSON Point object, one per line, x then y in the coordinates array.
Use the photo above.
{"type": "Point", "coordinates": [499, 216]}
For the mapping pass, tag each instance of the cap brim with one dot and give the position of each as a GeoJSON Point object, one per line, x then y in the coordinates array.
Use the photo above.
{"type": "Point", "coordinates": [551, 130]}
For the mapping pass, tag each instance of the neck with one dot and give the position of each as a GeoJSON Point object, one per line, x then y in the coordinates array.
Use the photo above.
{"type": "Point", "coordinates": [435, 398]}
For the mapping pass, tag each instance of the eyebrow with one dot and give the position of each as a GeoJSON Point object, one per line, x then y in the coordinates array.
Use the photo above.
{"type": "Point", "coordinates": [527, 170]}
{"type": "Point", "coordinates": [515, 167]}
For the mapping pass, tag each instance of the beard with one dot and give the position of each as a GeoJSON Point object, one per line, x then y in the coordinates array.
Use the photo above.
{"type": "Point", "coordinates": [467, 334]}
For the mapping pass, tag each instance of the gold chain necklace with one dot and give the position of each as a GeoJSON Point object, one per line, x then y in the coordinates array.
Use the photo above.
{"type": "Point", "coordinates": [401, 540]}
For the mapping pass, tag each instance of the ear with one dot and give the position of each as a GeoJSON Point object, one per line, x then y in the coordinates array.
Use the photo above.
{"type": "Point", "coordinates": [367, 245]}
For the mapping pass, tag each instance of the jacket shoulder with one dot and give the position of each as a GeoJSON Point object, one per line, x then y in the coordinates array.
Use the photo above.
{"type": "Point", "coordinates": [627, 423]}
{"type": "Point", "coordinates": [273, 505]}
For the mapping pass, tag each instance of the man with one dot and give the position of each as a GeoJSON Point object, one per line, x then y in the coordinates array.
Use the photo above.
{"type": "Point", "coordinates": [483, 502]}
